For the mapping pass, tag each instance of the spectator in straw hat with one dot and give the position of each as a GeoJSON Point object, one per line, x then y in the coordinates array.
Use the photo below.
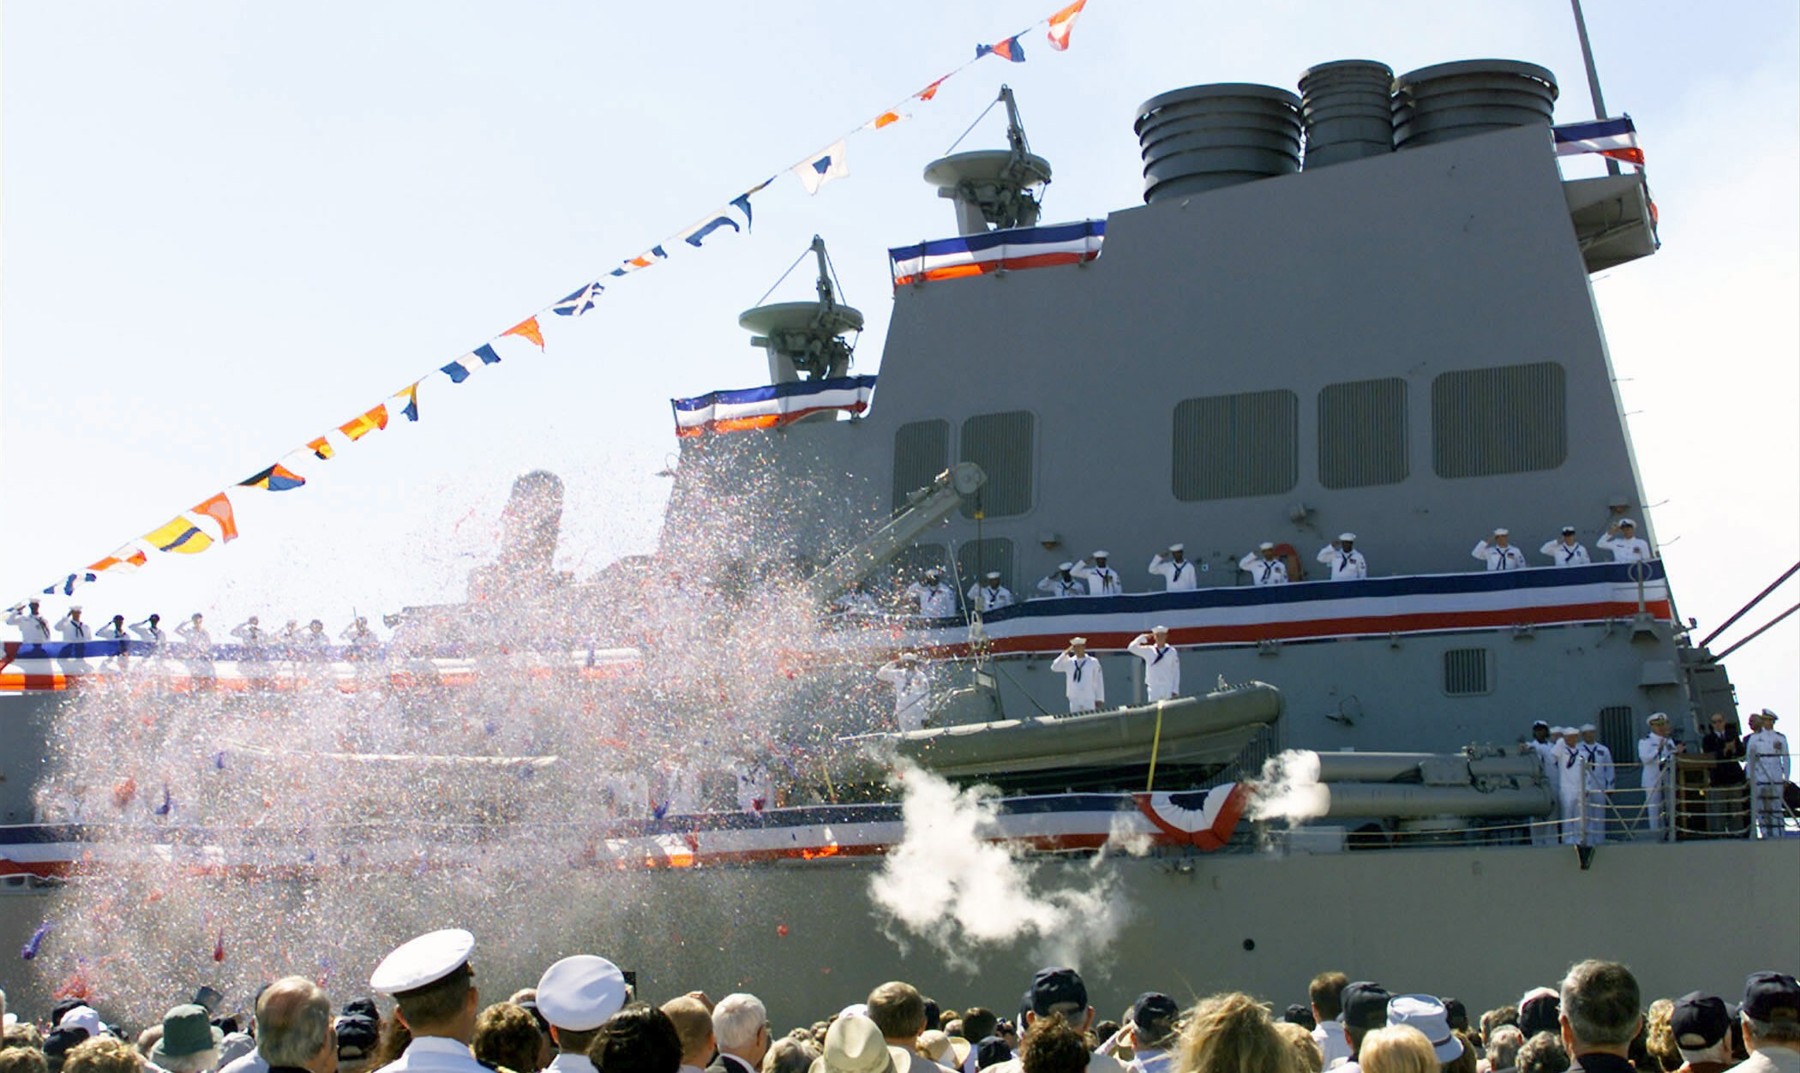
{"type": "Point", "coordinates": [854, 1044]}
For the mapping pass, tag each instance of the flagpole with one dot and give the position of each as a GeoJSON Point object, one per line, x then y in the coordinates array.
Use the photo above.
{"type": "Point", "coordinates": [1593, 75]}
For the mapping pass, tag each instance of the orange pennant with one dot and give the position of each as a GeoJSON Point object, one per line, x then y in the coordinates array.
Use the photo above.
{"type": "Point", "coordinates": [218, 508]}
{"type": "Point", "coordinates": [361, 426]}
{"type": "Point", "coordinates": [886, 118]}
{"type": "Point", "coordinates": [527, 329]}
{"type": "Point", "coordinates": [930, 91]}
{"type": "Point", "coordinates": [321, 448]}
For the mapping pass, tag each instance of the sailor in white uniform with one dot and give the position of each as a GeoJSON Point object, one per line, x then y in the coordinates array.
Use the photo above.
{"type": "Point", "coordinates": [1599, 761]}
{"type": "Point", "coordinates": [1541, 746]}
{"type": "Point", "coordinates": [1770, 765]}
{"type": "Point", "coordinates": [1263, 566]}
{"type": "Point", "coordinates": [72, 628]}
{"type": "Point", "coordinates": [991, 595]}
{"type": "Point", "coordinates": [1570, 785]}
{"type": "Point", "coordinates": [1624, 543]}
{"type": "Point", "coordinates": [425, 976]}
{"type": "Point", "coordinates": [315, 641]}
{"type": "Point", "coordinates": [150, 630]}
{"type": "Point", "coordinates": [576, 996]}
{"type": "Point", "coordinates": [936, 599]}
{"type": "Point", "coordinates": [1657, 752]}
{"type": "Point", "coordinates": [1063, 582]}
{"type": "Point", "coordinates": [1162, 664]}
{"type": "Point", "coordinates": [194, 633]}
{"type": "Point", "coordinates": [912, 690]}
{"type": "Point", "coordinates": [1347, 564]}
{"type": "Point", "coordinates": [114, 630]}
{"type": "Point", "coordinates": [1500, 555]}
{"type": "Point", "coordinates": [1084, 683]}
{"type": "Point", "coordinates": [1566, 550]}
{"type": "Point", "coordinates": [1102, 580]}
{"type": "Point", "coordinates": [1177, 572]}
{"type": "Point", "coordinates": [34, 629]}
{"type": "Point", "coordinates": [250, 632]}
{"type": "Point", "coordinates": [856, 601]}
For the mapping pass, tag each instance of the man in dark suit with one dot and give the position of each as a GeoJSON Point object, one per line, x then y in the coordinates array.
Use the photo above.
{"type": "Point", "coordinates": [741, 1029]}
{"type": "Point", "coordinates": [1730, 797]}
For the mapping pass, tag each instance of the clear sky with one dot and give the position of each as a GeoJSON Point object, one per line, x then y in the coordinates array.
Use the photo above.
{"type": "Point", "coordinates": [230, 226]}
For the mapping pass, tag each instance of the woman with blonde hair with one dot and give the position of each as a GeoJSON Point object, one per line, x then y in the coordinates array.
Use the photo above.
{"type": "Point", "coordinates": [1401, 1049]}
{"type": "Point", "coordinates": [1306, 1049]}
{"type": "Point", "coordinates": [1233, 1033]}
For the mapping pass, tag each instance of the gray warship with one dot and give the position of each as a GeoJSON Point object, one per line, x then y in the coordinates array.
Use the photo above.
{"type": "Point", "coordinates": [1361, 308]}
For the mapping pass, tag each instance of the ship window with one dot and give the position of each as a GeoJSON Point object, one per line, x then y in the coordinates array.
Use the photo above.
{"type": "Point", "coordinates": [921, 452]}
{"type": "Point", "coordinates": [976, 557]}
{"type": "Point", "coordinates": [1618, 729]}
{"type": "Point", "coordinates": [1362, 433]}
{"type": "Point", "coordinates": [1230, 446]}
{"type": "Point", "coordinates": [1466, 672]}
{"type": "Point", "coordinates": [1001, 444]}
{"type": "Point", "coordinates": [1510, 419]}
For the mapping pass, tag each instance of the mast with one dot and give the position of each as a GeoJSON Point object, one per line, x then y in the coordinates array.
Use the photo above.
{"type": "Point", "coordinates": [1593, 75]}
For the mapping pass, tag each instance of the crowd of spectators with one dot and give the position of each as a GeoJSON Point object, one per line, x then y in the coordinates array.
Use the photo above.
{"type": "Point", "coordinates": [582, 1018]}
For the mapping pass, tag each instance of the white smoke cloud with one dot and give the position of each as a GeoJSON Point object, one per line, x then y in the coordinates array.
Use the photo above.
{"type": "Point", "coordinates": [948, 884]}
{"type": "Point", "coordinates": [1289, 788]}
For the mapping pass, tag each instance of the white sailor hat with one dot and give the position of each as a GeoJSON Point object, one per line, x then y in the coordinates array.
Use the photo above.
{"type": "Point", "coordinates": [1065, 566]}
{"type": "Point", "coordinates": [1627, 523]}
{"type": "Point", "coordinates": [1078, 640]}
{"type": "Point", "coordinates": [1177, 547]}
{"type": "Point", "coordinates": [1503, 532]}
{"type": "Point", "coordinates": [1267, 545]}
{"type": "Point", "coordinates": [1348, 538]}
{"type": "Point", "coordinates": [1103, 554]}
{"type": "Point", "coordinates": [579, 993]}
{"type": "Point", "coordinates": [422, 961]}
{"type": "Point", "coordinates": [1557, 730]}
{"type": "Point", "coordinates": [1159, 629]}
{"type": "Point", "coordinates": [74, 607]}
{"type": "Point", "coordinates": [1655, 718]}
{"type": "Point", "coordinates": [933, 572]}
{"type": "Point", "coordinates": [1539, 723]}
{"type": "Point", "coordinates": [1571, 729]}
{"type": "Point", "coordinates": [993, 575]}
{"type": "Point", "coordinates": [1585, 727]}
{"type": "Point", "coordinates": [1568, 530]}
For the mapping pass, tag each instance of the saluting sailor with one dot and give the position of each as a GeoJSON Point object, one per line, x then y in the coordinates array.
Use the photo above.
{"type": "Point", "coordinates": [1083, 682]}
{"type": "Point", "coordinates": [936, 599]}
{"type": "Point", "coordinates": [1571, 785]}
{"type": "Point", "coordinates": [114, 630]}
{"type": "Point", "coordinates": [1624, 543]}
{"type": "Point", "coordinates": [576, 996]}
{"type": "Point", "coordinates": [72, 628]}
{"type": "Point", "coordinates": [1162, 664]}
{"type": "Point", "coordinates": [1102, 580]}
{"type": "Point", "coordinates": [912, 690]}
{"type": "Point", "coordinates": [1347, 564]}
{"type": "Point", "coordinates": [150, 630]}
{"type": "Point", "coordinates": [991, 596]}
{"type": "Point", "coordinates": [194, 633]}
{"type": "Point", "coordinates": [1565, 550]}
{"type": "Point", "coordinates": [1263, 566]}
{"type": "Point", "coordinates": [1063, 582]}
{"type": "Point", "coordinates": [34, 629]}
{"type": "Point", "coordinates": [436, 999]}
{"type": "Point", "coordinates": [1770, 766]}
{"type": "Point", "coordinates": [1599, 760]}
{"type": "Point", "coordinates": [1500, 555]}
{"type": "Point", "coordinates": [250, 632]}
{"type": "Point", "coordinates": [1542, 746]}
{"type": "Point", "coordinates": [1657, 752]}
{"type": "Point", "coordinates": [1177, 572]}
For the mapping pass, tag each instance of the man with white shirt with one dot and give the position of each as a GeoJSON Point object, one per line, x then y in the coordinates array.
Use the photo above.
{"type": "Point", "coordinates": [1084, 683]}
{"type": "Point", "coordinates": [1624, 543]}
{"type": "Point", "coordinates": [1499, 555]}
{"type": "Point", "coordinates": [1162, 664]}
{"type": "Point", "coordinates": [898, 1010]}
{"type": "Point", "coordinates": [1657, 752]}
{"type": "Point", "coordinates": [990, 595]}
{"type": "Point", "coordinates": [576, 995]}
{"type": "Point", "coordinates": [1102, 579]}
{"type": "Point", "coordinates": [71, 627]}
{"type": "Point", "coordinates": [1063, 582]}
{"type": "Point", "coordinates": [1767, 759]}
{"type": "Point", "coordinates": [1770, 1017]}
{"type": "Point", "coordinates": [1346, 563]}
{"type": "Point", "coordinates": [1177, 572]}
{"type": "Point", "coordinates": [936, 599]}
{"type": "Point", "coordinates": [34, 628]}
{"type": "Point", "coordinates": [1263, 566]}
{"type": "Point", "coordinates": [741, 1028]}
{"type": "Point", "coordinates": [1326, 995]}
{"type": "Point", "coordinates": [436, 999]}
{"type": "Point", "coordinates": [1599, 761]}
{"type": "Point", "coordinates": [1565, 550]}
{"type": "Point", "coordinates": [1153, 1033]}
{"type": "Point", "coordinates": [1570, 785]}
{"type": "Point", "coordinates": [1541, 745]}
{"type": "Point", "coordinates": [912, 690]}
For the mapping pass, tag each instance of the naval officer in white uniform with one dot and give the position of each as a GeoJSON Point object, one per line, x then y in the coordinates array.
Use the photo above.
{"type": "Point", "coordinates": [1084, 683]}
{"type": "Point", "coordinates": [1347, 564]}
{"type": "Point", "coordinates": [1102, 580]}
{"type": "Point", "coordinates": [912, 690]}
{"type": "Point", "coordinates": [1499, 555]}
{"type": "Point", "coordinates": [1177, 572]}
{"type": "Point", "coordinates": [990, 595]}
{"type": "Point", "coordinates": [1657, 752]}
{"type": "Point", "coordinates": [1263, 566]}
{"type": "Point", "coordinates": [1565, 550]}
{"type": "Point", "coordinates": [1624, 543]}
{"type": "Point", "coordinates": [34, 629]}
{"type": "Point", "coordinates": [1599, 761]}
{"type": "Point", "coordinates": [434, 989]}
{"type": "Point", "coordinates": [1570, 785]}
{"type": "Point", "coordinates": [576, 996]}
{"type": "Point", "coordinates": [1162, 664]}
{"type": "Point", "coordinates": [1767, 759]}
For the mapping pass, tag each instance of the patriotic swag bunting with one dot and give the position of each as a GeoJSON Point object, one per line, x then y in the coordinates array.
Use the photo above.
{"type": "Point", "coordinates": [1615, 139]}
{"type": "Point", "coordinates": [720, 411]}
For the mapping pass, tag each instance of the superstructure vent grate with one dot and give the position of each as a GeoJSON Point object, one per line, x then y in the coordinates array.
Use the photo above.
{"type": "Point", "coordinates": [1232, 446]}
{"type": "Point", "coordinates": [1509, 419]}
{"type": "Point", "coordinates": [1362, 433]}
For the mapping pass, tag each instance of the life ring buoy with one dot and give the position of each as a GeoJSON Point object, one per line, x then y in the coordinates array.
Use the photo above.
{"type": "Point", "coordinates": [1208, 827]}
{"type": "Point", "coordinates": [1295, 567]}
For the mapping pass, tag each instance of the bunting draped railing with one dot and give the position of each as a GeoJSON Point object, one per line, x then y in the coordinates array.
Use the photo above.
{"type": "Point", "coordinates": [213, 520]}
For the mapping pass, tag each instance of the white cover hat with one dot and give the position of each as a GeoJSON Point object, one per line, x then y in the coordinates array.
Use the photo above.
{"type": "Point", "coordinates": [421, 961]}
{"type": "Point", "coordinates": [1655, 718]}
{"type": "Point", "coordinates": [579, 993]}
{"type": "Point", "coordinates": [1349, 538]}
{"type": "Point", "coordinates": [1503, 532]}
{"type": "Point", "coordinates": [1177, 547]}
{"type": "Point", "coordinates": [1078, 640]}
{"type": "Point", "coordinates": [1624, 522]}
{"type": "Point", "coordinates": [1267, 545]}
{"type": "Point", "coordinates": [1585, 727]}
{"type": "Point", "coordinates": [1102, 554]}
{"type": "Point", "coordinates": [993, 575]}
{"type": "Point", "coordinates": [1065, 566]}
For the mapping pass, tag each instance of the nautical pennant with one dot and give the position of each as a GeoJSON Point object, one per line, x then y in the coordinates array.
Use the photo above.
{"type": "Point", "coordinates": [68, 584]}
{"type": "Point", "coordinates": [456, 371]}
{"type": "Point", "coordinates": [696, 235]}
{"type": "Point", "coordinates": [411, 409]}
{"type": "Point", "coordinates": [1010, 49]}
{"type": "Point", "coordinates": [931, 91]}
{"type": "Point", "coordinates": [322, 448]}
{"type": "Point", "coordinates": [125, 560]}
{"type": "Point", "coordinates": [575, 304]}
{"type": "Point", "coordinates": [527, 329]}
{"type": "Point", "coordinates": [363, 424]}
{"type": "Point", "coordinates": [178, 535]}
{"type": "Point", "coordinates": [277, 478]}
{"type": "Point", "coordinates": [642, 260]}
{"type": "Point", "coordinates": [823, 167]}
{"type": "Point", "coordinates": [218, 508]}
{"type": "Point", "coordinates": [1062, 23]}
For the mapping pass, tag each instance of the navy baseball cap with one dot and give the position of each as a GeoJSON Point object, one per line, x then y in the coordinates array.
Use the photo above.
{"type": "Point", "coordinates": [1365, 1005]}
{"type": "Point", "coordinates": [1055, 987]}
{"type": "Point", "coordinates": [1771, 996]}
{"type": "Point", "coordinates": [1699, 1021]}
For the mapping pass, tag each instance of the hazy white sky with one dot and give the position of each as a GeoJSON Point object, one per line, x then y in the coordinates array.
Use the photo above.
{"type": "Point", "coordinates": [230, 226]}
